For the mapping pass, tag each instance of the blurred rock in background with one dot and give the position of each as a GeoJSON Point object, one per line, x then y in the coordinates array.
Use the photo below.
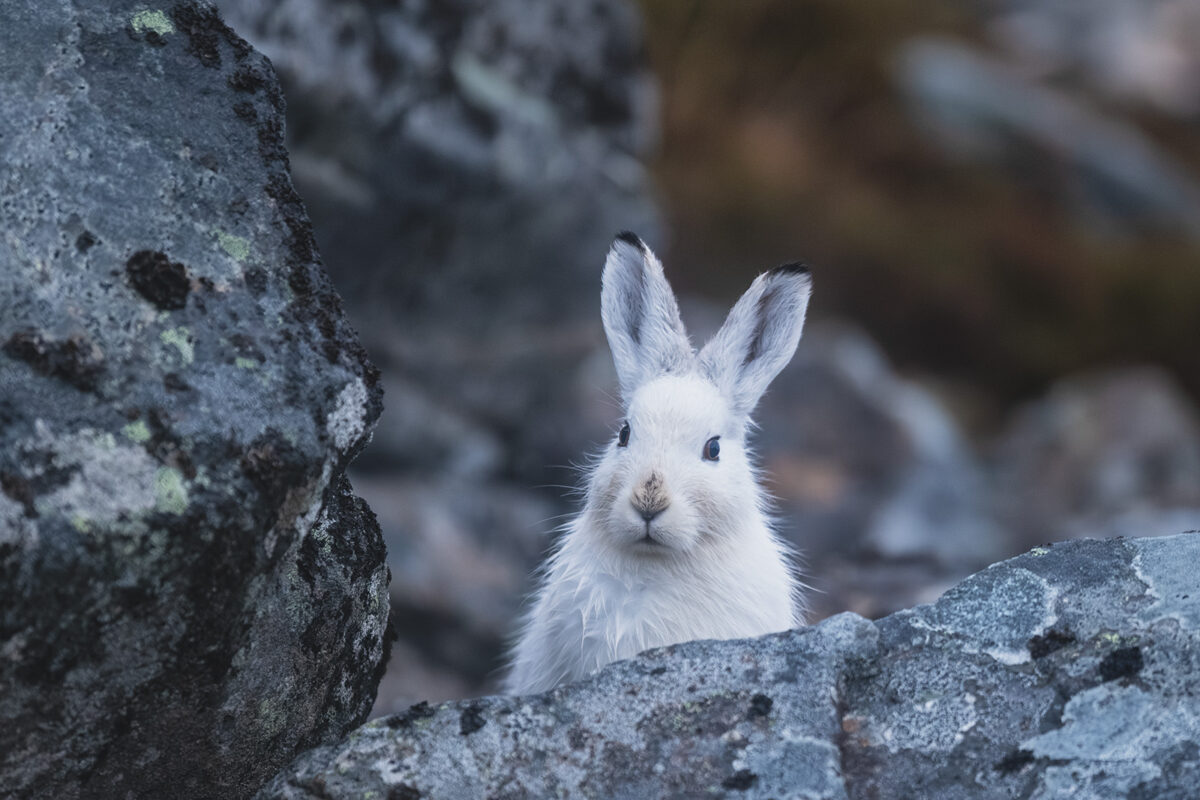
{"type": "Point", "coordinates": [998, 194]}
{"type": "Point", "coordinates": [461, 555]}
{"type": "Point", "coordinates": [877, 486]}
{"type": "Point", "coordinates": [1105, 172]}
{"type": "Point", "coordinates": [1140, 54]}
{"type": "Point", "coordinates": [1108, 452]}
{"type": "Point", "coordinates": [465, 164]}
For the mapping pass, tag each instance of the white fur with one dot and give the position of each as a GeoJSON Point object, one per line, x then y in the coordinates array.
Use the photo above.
{"type": "Point", "coordinates": [708, 565]}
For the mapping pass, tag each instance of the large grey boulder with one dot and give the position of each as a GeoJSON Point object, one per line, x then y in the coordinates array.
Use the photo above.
{"type": "Point", "coordinates": [1067, 671]}
{"type": "Point", "coordinates": [189, 591]}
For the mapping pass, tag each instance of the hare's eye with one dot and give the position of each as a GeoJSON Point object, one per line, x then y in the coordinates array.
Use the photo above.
{"type": "Point", "coordinates": [712, 449]}
{"type": "Point", "coordinates": [623, 436]}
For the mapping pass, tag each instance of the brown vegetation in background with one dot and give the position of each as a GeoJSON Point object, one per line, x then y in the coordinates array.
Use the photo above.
{"type": "Point", "coordinates": [785, 135]}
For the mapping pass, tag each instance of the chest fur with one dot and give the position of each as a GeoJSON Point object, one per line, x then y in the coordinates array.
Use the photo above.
{"type": "Point", "coordinates": [603, 618]}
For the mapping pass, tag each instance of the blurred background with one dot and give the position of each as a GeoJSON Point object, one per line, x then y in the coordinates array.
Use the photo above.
{"type": "Point", "coordinates": [999, 199]}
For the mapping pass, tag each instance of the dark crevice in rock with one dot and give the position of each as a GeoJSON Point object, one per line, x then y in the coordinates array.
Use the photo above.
{"type": "Point", "coordinates": [163, 282]}
{"type": "Point", "coordinates": [760, 706]}
{"type": "Point", "coordinates": [471, 719]}
{"type": "Point", "coordinates": [1123, 663]}
{"type": "Point", "coordinates": [1014, 761]}
{"type": "Point", "coordinates": [75, 359]}
{"type": "Point", "coordinates": [415, 712]}
{"type": "Point", "coordinates": [740, 781]}
{"type": "Point", "coordinates": [1043, 645]}
{"type": "Point", "coordinates": [19, 489]}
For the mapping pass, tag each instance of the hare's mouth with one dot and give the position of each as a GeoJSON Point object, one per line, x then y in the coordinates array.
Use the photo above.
{"type": "Point", "coordinates": [648, 539]}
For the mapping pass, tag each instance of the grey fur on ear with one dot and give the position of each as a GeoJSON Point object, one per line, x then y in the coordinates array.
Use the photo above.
{"type": "Point", "coordinates": [641, 316]}
{"type": "Point", "coordinates": [759, 336]}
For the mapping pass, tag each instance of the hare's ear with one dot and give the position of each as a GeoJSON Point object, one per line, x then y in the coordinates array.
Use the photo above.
{"type": "Point", "coordinates": [759, 336]}
{"type": "Point", "coordinates": [641, 317]}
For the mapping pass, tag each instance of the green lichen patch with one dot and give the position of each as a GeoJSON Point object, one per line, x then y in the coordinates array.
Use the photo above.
{"type": "Point", "coordinates": [153, 21]}
{"type": "Point", "coordinates": [137, 431]}
{"type": "Point", "coordinates": [171, 494]}
{"type": "Point", "coordinates": [181, 339]}
{"type": "Point", "coordinates": [236, 246]}
{"type": "Point", "coordinates": [271, 716]}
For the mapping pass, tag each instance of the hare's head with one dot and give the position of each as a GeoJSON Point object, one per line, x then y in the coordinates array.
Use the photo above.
{"type": "Point", "coordinates": [677, 473]}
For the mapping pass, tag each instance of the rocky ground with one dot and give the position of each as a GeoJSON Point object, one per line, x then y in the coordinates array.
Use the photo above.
{"type": "Point", "coordinates": [1064, 672]}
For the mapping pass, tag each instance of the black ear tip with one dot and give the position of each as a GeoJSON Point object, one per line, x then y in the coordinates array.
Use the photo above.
{"type": "Point", "coordinates": [629, 237]}
{"type": "Point", "coordinates": [792, 268]}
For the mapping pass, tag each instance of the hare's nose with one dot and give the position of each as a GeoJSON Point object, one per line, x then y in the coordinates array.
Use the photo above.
{"type": "Point", "coordinates": [649, 512]}
{"type": "Point", "coordinates": [650, 499]}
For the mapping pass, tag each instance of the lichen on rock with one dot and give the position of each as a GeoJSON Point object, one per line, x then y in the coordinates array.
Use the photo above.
{"type": "Point", "coordinates": [190, 593]}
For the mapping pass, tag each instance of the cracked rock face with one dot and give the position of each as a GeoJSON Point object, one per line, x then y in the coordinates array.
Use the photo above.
{"type": "Point", "coordinates": [1065, 671]}
{"type": "Point", "coordinates": [190, 593]}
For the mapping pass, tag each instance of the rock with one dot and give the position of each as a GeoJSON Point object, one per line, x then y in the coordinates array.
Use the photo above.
{"type": "Point", "coordinates": [462, 553]}
{"type": "Point", "coordinates": [876, 486]}
{"type": "Point", "coordinates": [1065, 671]}
{"type": "Point", "coordinates": [1130, 52]}
{"type": "Point", "coordinates": [1059, 673]}
{"type": "Point", "coordinates": [466, 164]}
{"type": "Point", "coordinates": [189, 591]}
{"type": "Point", "coordinates": [675, 722]}
{"type": "Point", "coordinates": [423, 435]}
{"type": "Point", "coordinates": [1116, 451]}
{"type": "Point", "coordinates": [984, 109]}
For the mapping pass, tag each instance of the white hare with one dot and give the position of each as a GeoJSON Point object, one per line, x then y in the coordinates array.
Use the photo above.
{"type": "Point", "coordinates": [673, 542]}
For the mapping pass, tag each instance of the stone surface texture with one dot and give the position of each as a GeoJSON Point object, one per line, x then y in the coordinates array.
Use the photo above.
{"type": "Point", "coordinates": [190, 593]}
{"type": "Point", "coordinates": [1115, 451]}
{"type": "Point", "coordinates": [1066, 671]}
